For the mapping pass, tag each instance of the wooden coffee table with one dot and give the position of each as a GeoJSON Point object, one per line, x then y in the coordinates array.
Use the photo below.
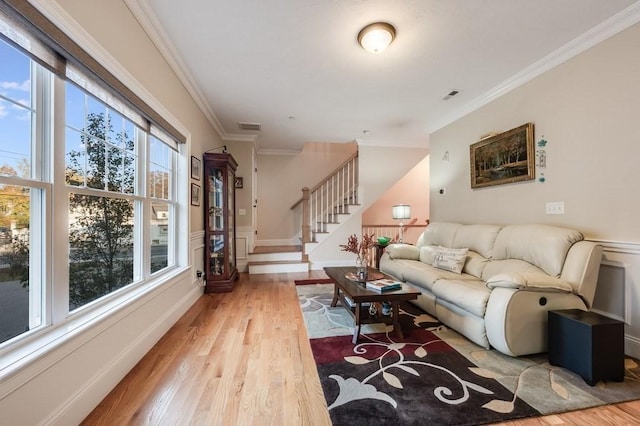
{"type": "Point", "coordinates": [359, 295]}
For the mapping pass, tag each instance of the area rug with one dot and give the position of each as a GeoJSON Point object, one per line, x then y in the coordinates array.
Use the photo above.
{"type": "Point", "coordinates": [435, 376]}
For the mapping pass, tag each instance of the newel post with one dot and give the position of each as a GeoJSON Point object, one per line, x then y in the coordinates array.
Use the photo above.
{"type": "Point", "coordinates": [306, 217]}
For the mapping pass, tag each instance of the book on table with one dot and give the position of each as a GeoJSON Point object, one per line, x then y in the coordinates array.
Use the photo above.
{"type": "Point", "coordinates": [384, 284]}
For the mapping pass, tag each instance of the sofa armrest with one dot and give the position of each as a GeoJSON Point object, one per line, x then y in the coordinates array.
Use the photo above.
{"type": "Point", "coordinates": [403, 251]}
{"type": "Point", "coordinates": [516, 320]}
{"type": "Point", "coordinates": [529, 281]}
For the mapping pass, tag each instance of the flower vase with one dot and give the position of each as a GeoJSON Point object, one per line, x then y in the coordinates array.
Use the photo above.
{"type": "Point", "coordinates": [362, 268]}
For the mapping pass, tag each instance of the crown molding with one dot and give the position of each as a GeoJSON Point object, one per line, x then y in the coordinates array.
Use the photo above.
{"type": "Point", "coordinates": [147, 19]}
{"type": "Point", "coordinates": [608, 28]}
{"type": "Point", "coordinates": [278, 151]}
{"type": "Point", "coordinates": [56, 14]}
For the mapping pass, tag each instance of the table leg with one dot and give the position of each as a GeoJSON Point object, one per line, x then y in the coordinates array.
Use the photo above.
{"type": "Point", "coordinates": [396, 318]}
{"type": "Point", "coordinates": [336, 289]}
{"type": "Point", "coordinates": [356, 331]}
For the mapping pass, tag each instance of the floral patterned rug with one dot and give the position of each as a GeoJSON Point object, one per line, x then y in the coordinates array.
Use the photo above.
{"type": "Point", "coordinates": [434, 376]}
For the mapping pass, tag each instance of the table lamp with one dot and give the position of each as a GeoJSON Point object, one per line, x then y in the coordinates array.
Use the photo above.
{"type": "Point", "coordinates": [401, 211]}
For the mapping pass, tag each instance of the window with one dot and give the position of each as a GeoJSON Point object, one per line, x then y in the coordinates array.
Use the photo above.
{"type": "Point", "coordinates": [101, 153]}
{"type": "Point", "coordinates": [20, 196]}
{"type": "Point", "coordinates": [118, 181]}
{"type": "Point", "coordinates": [162, 165]}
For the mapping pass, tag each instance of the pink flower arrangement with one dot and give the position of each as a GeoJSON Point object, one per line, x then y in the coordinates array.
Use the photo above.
{"type": "Point", "coordinates": [360, 248]}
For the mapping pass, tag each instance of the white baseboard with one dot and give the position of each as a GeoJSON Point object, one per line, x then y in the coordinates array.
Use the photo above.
{"type": "Point", "coordinates": [82, 402]}
{"type": "Point", "coordinates": [632, 346]}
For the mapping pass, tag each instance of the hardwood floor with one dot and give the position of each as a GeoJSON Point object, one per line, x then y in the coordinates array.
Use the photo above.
{"type": "Point", "coordinates": [243, 358]}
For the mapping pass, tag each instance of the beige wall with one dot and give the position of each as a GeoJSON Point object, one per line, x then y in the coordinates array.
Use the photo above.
{"type": "Point", "coordinates": [281, 178]}
{"type": "Point", "coordinates": [587, 110]}
{"type": "Point", "coordinates": [243, 154]}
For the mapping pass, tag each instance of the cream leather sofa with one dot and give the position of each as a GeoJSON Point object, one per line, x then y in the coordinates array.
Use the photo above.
{"type": "Point", "coordinates": [511, 276]}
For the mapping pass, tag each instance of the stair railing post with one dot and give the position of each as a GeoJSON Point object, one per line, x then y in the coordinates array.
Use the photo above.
{"type": "Point", "coordinates": [306, 216]}
{"type": "Point", "coordinates": [306, 223]}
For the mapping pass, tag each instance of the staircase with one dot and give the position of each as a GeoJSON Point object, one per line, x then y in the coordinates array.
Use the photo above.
{"type": "Point", "coordinates": [322, 209]}
{"type": "Point", "coordinates": [277, 259]}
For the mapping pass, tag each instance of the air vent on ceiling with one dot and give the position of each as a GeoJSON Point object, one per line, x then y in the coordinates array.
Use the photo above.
{"type": "Point", "coordinates": [450, 95]}
{"type": "Point", "coordinates": [250, 126]}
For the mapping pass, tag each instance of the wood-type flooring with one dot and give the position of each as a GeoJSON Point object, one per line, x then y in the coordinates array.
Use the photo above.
{"type": "Point", "coordinates": [243, 358]}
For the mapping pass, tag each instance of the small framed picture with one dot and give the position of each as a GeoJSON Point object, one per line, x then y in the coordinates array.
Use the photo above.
{"type": "Point", "coordinates": [195, 168]}
{"type": "Point", "coordinates": [195, 194]}
{"type": "Point", "coordinates": [239, 182]}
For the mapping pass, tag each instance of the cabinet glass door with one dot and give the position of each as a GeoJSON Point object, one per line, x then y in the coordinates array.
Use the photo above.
{"type": "Point", "coordinates": [220, 247]}
{"type": "Point", "coordinates": [217, 193]}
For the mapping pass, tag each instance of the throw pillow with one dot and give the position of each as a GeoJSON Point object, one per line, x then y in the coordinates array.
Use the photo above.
{"type": "Point", "coordinates": [450, 259]}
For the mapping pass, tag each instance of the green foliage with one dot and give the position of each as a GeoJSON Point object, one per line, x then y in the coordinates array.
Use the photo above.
{"type": "Point", "coordinates": [14, 202]}
{"type": "Point", "coordinates": [18, 257]}
{"type": "Point", "coordinates": [101, 234]}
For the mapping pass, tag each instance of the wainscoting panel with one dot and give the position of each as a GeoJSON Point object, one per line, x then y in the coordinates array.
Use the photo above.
{"type": "Point", "coordinates": [197, 254]}
{"type": "Point", "coordinates": [244, 237]}
{"type": "Point", "coordinates": [618, 291]}
{"type": "Point", "coordinates": [611, 297]}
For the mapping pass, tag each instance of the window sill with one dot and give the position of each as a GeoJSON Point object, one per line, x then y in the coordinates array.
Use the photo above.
{"type": "Point", "coordinates": [42, 348]}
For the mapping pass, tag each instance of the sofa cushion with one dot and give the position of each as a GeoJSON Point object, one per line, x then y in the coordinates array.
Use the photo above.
{"type": "Point", "coordinates": [395, 267]}
{"type": "Point", "coordinates": [403, 251]}
{"type": "Point", "coordinates": [474, 264]}
{"type": "Point", "coordinates": [439, 234]}
{"type": "Point", "coordinates": [470, 295]}
{"type": "Point", "coordinates": [542, 245]}
{"type": "Point", "coordinates": [427, 253]}
{"type": "Point", "coordinates": [496, 267]}
{"type": "Point", "coordinates": [529, 280]}
{"type": "Point", "coordinates": [425, 276]}
{"type": "Point", "coordinates": [479, 238]}
{"type": "Point", "coordinates": [450, 259]}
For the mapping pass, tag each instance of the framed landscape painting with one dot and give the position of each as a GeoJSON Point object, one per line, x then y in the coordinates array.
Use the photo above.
{"type": "Point", "coordinates": [503, 158]}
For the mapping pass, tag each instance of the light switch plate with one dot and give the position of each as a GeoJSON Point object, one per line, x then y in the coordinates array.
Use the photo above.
{"type": "Point", "coordinates": [555, 207]}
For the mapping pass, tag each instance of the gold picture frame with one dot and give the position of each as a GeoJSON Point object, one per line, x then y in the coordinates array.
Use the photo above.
{"type": "Point", "coordinates": [503, 158]}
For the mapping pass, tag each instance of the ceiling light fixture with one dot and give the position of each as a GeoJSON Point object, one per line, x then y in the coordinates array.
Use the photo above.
{"type": "Point", "coordinates": [376, 37]}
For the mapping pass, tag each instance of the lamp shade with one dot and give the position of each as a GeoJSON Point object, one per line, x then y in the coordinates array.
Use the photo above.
{"type": "Point", "coordinates": [376, 37]}
{"type": "Point", "coordinates": [401, 211]}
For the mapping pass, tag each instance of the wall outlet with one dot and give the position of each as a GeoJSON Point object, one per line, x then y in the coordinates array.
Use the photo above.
{"type": "Point", "coordinates": [556, 207]}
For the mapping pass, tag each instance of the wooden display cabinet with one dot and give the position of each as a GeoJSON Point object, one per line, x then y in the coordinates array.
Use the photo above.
{"type": "Point", "coordinates": [220, 226]}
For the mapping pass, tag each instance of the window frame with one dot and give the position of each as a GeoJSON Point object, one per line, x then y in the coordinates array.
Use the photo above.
{"type": "Point", "coordinates": [59, 324]}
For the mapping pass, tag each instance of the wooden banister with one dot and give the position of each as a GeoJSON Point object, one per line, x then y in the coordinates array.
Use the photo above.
{"type": "Point", "coordinates": [331, 197]}
{"type": "Point", "coordinates": [326, 179]}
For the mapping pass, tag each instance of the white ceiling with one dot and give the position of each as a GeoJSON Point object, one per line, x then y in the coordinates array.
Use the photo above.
{"type": "Point", "coordinates": [266, 61]}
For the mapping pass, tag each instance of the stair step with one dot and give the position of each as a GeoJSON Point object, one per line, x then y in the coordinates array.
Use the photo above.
{"type": "Point", "coordinates": [275, 249]}
{"type": "Point", "coordinates": [274, 267]}
{"type": "Point", "coordinates": [276, 259]}
{"type": "Point", "coordinates": [290, 256]}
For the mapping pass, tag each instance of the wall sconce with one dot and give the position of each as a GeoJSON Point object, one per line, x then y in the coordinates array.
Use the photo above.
{"type": "Point", "coordinates": [401, 211]}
